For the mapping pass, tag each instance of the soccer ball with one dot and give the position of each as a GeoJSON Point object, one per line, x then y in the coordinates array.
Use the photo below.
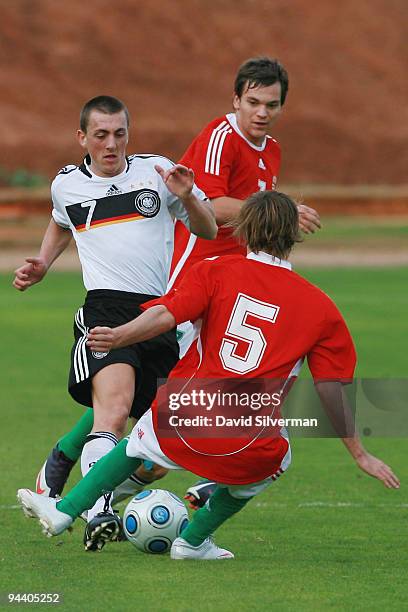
{"type": "Point", "coordinates": [154, 519]}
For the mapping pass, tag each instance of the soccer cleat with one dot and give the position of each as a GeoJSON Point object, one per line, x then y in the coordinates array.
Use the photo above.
{"type": "Point", "coordinates": [197, 495]}
{"type": "Point", "coordinates": [207, 551]}
{"type": "Point", "coordinates": [104, 527]}
{"type": "Point", "coordinates": [45, 510]}
{"type": "Point", "coordinates": [54, 474]}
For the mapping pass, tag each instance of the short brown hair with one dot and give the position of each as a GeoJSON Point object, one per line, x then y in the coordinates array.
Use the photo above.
{"type": "Point", "coordinates": [268, 221]}
{"type": "Point", "coordinates": [261, 71]}
{"type": "Point", "coordinates": [103, 104]}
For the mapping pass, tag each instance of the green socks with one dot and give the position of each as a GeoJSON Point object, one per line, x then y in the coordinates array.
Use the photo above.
{"type": "Point", "coordinates": [104, 476]}
{"type": "Point", "coordinates": [206, 520]}
{"type": "Point", "coordinates": [73, 442]}
{"type": "Point", "coordinates": [112, 469]}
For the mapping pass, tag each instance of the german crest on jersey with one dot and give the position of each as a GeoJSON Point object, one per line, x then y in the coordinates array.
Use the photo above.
{"type": "Point", "coordinates": [147, 202]}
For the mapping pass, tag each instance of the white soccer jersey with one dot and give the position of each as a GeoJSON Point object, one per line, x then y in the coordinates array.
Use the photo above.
{"type": "Point", "coordinates": [123, 226]}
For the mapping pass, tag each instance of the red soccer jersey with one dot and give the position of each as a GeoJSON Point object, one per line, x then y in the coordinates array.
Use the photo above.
{"type": "Point", "coordinates": [225, 163]}
{"type": "Point", "coordinates": [259, 320]}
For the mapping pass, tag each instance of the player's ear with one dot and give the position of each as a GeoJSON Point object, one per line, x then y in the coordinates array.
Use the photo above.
{"type": "Point", "coordinates": [81, 136]}
{"type": "Point", "coordinates": [236, 102]}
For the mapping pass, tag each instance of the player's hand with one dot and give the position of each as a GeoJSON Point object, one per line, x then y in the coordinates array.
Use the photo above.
{"type": "Point", "coordinates": [376, 468]}
{"type": "Point", "coordinates": [309, 220]}
{"type": "Point", "coordinates": [101, 339]}
{"type": "Point", "coordinates": [178, 179]}
{"type": "Point", "coordinates": [32, 272]}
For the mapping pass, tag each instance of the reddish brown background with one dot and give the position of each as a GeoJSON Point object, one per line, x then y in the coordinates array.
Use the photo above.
{"type": "Point", "coordinates": [173, 63]}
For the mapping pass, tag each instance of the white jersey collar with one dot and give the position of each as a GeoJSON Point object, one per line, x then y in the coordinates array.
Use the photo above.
{"type": "Point", "coordinates": [266, 258]}
{"type": "Point", "coordinates": [103, 179]}
{"type": "Point", "coordinates": [232, 119]}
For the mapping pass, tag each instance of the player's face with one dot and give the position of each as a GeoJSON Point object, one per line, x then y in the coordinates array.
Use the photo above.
{"type": "Point", "coordinates": [257, 110]}
{"type": "Point", "coordinates": [105, 140]}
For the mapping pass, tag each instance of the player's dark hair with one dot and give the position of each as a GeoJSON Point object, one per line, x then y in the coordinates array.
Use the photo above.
{"type": "Point", "coordinates": [269, 222]}
{"type": "Point", "coordinates": [261, 71]}
{"type": "Point", "coordinates": [103, 104]}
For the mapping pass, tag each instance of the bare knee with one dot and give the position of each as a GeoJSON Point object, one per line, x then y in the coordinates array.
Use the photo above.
{"type": "Point", "coordinates": [111, 417]}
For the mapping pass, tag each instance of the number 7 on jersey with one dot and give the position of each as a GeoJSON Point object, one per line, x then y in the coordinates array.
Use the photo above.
{"type": "Point", "coordinates": [91, 204]}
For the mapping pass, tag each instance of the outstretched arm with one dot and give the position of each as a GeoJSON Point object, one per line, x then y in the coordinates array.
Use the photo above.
{"type": "Point", "coordinates": [370, 464]}
{"type": "Point", "coordinates": [55, 241]}
{"type": "Point", "coordinates": [338, 409]}
{"type": "Point", "coordinates": [180, 181]}
{"type": "Point", "coordinates": [153, 322]}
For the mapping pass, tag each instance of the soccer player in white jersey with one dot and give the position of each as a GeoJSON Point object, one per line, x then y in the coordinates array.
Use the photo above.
{"type": "Point", "coordinates": [252, 331]}
{"type": "Point", "coordinates": [120, 210]}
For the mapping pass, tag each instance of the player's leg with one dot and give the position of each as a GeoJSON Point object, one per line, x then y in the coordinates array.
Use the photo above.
{"type": "Point", "coordinates": [54, 473]}
{"type": "Point", "coordinates": [157, 359]}
{"type": "Point", "coordinates": [222, 504]}
{"type": "Point", "coordinates": [195, 540]}
{"type": "Point", "coordinates": [112, 395]}
{"type": "Point", "coordinates": [105, 475]}
{"type": "Point", "coordinates": [72, 443]}
{"type": "Point", "coordinates": [149, 472]}
{"type": "Point", "coordinates": [146, 474]}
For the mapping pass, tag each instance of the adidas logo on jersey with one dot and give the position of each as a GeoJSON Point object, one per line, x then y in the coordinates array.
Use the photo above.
{"type": "Point", "coordinates": [113, 190]}
{"type": "Point", "coordinates": [261, 164]}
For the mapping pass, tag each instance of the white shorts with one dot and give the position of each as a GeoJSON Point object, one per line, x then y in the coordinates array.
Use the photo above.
{"type": "Point", "coordinates": [143, 444]}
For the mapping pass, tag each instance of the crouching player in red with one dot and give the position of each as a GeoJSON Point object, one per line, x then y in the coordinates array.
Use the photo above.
{"type": "Point", "coordinates": [259, 320]}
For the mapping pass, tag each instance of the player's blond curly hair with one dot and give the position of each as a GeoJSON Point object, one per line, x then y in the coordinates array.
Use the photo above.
{"type": "Point", "coordinates": [269, 222]}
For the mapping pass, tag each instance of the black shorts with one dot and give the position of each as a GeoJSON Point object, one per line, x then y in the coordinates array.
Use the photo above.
{"type": "Point", "coordinates": [152, 359]}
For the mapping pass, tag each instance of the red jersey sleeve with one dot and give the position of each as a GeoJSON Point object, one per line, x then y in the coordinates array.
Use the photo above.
{"type": "Point", "coordinates": [189, 301]}
{"type": "Point", "coordinates": [333, 357]}
{"type": "Point", "coordinates": [211, 156]}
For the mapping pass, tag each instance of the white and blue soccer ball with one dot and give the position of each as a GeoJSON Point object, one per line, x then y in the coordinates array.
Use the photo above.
{"type": "Point", "coordinates": [154, 519]}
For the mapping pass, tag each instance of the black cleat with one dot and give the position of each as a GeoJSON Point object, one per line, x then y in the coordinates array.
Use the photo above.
{"type": "Point", "coordinates": [54, 474]}
{"type": "Point", "coordinates": [104, 527]}
{"type": "Point", "coordinates": [198, 494]}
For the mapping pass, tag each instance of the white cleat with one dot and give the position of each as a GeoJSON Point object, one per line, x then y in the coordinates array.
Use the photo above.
{"type": "Point", "coordinates": [207, 551]}
{"type": "Point", "coordinates": [44, 509]}
{"type": "Point", "coordinates": [41, 485]}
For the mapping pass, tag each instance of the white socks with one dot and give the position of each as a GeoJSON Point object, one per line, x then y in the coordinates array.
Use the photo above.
{"type": "Point", "coordinates": [97, 445]}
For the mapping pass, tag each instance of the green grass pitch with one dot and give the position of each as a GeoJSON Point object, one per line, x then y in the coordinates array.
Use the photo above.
{"type": "Point", "coordinates": [324, 537]}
